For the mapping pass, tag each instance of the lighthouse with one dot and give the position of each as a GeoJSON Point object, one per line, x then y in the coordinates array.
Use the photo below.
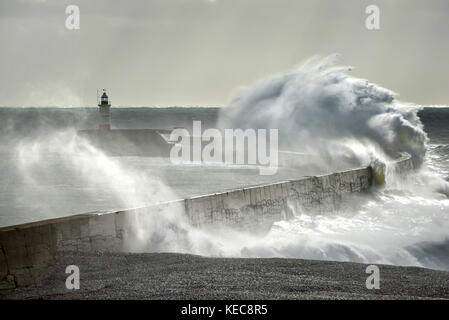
{"type": "Point", "coordinates": [105, 111]}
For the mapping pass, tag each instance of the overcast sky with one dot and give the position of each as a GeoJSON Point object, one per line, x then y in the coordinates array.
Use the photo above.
{"type": "Point", "coordinates": [197, 52]}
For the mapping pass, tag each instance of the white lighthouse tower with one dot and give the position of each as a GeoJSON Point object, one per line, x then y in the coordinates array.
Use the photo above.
{"type": "Point", "coordinates": [105, 111]}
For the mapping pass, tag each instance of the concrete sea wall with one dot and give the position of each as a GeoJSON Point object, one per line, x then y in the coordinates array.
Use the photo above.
{"type": "Point", "coordinates": [259, 206]}
{"type": "Point", "coordinates": [28, 251]}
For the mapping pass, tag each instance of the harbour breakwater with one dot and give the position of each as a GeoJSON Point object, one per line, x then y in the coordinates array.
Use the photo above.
{"type": "Point", "coordinates": [28, 251]}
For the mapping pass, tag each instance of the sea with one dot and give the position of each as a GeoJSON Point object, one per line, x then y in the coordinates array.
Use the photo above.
{"type": "Point", "coordinates": [46, 173]}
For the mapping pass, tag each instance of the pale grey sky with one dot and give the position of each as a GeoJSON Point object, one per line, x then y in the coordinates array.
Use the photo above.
{"type": "Point", "coordinates": [197, 52]}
